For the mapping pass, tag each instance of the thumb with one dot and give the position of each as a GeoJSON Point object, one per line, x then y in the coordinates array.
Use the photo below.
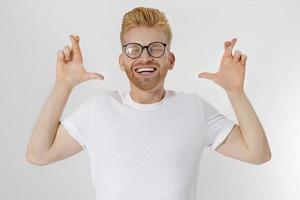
{"type": "Point", "coordinates": [90, 75]}
{"type": "Point", "coordinates": [207, 75]}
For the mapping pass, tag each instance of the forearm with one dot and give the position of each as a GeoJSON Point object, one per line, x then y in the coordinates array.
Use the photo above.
{"type": "Point", "coordinates": [45, 129]}
{"type": "Point", "coordinates": [252, 131]}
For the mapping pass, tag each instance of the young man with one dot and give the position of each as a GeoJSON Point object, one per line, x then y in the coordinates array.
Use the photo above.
{"type": "Point", "coordinates": [146, 143]}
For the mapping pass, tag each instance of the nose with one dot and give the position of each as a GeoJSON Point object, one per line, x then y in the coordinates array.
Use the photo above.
{"type": "Point", "coordinates": [145, 55]}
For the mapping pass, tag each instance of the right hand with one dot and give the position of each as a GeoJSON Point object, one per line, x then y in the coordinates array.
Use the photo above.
{"type": "Point", "coordinates": [69, 68]}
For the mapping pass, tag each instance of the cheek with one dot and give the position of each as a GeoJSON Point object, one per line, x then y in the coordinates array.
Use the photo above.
{"type": "Point", "coordinates": [164, 63]}
{"type": "Point", "coordinates": [128, 63]}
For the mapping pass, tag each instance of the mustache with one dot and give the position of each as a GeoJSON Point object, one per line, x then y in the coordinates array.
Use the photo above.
{"type": "Point", "coordinates": [146, 63]}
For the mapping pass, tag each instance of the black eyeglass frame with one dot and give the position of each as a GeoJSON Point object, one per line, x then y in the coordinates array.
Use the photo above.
{"type": "Point", "coordinates": [143, 47]}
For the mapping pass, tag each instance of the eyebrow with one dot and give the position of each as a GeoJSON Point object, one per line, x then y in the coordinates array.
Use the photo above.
{"type": "Point", "coordinates": [143, 43]}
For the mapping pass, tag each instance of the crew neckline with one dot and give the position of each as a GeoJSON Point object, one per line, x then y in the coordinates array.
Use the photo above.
{"type": "Point", "coordinates": [146, 107]}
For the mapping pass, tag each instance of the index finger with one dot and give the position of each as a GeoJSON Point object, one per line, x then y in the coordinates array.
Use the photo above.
{"type": "Point", "coordinates": [229, 46]}
{"type": "Point", "coordinates": [75, 49]}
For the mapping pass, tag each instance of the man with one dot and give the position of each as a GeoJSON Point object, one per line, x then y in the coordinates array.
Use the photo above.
{"type": "Point", "coordinates": [146, 143]}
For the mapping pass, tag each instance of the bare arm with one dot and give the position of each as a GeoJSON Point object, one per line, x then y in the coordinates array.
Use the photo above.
{"type": "Point", "coordinates": [247, 141]}
{"type": "Point", "coordinates": [45, 129]}
{"type": "Point", "coordinates": [69, 73]}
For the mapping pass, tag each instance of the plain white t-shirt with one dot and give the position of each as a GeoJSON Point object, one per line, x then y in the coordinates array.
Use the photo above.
{"type": "Point", "coordinates": [146, 151]}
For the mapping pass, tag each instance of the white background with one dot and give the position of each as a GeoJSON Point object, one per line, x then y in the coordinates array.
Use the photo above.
{"type": "Point", "coordinates": [267, 31]}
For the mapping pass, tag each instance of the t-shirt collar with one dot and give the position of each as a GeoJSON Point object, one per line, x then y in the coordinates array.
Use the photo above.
{"type": "Point", "coordinates": [140, 106]}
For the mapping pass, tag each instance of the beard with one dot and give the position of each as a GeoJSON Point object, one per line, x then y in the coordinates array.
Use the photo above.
{"type": "Point", "coordinates": [146, 83]}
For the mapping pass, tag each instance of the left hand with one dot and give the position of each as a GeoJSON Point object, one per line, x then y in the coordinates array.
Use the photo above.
{"type": "Point", "coordinates": [231, 73]}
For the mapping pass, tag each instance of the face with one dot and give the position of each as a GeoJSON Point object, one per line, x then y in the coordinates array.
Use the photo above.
{"type": "Point", "coordinates": [146, 80]}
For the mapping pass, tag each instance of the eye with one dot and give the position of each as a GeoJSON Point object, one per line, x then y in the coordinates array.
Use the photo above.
{"type": "Point", "coordinates": [133, 49]}
{"type": "Point", "coordinates": [157, 47]}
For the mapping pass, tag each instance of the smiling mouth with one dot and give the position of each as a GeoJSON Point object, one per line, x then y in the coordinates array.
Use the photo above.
{"type": "Point", "coordinates": [145, 70]}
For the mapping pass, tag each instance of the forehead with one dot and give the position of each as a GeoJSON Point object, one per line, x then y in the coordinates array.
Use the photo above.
{"type": "Point", "coordinates": [144, 35]}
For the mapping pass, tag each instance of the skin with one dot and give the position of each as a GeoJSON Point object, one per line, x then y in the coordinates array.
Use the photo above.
{"type": "Point", "coordinates": [246, 141]}
{"type": "Point", "coordinates": [50, 141]}
{"type": "Point", "coordinates": [69, 68]}
{"type": "Point", "coordinates": [146, 89]}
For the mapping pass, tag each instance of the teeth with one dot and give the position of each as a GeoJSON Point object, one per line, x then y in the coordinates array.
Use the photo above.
{"type": "Point", "coordinates": [145, 69]}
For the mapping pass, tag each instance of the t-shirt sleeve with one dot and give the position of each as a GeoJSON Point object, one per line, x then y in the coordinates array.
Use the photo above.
{"type": "Point", "coordinates": [78, 122]}
{"type": "Point", "coordinates": [217, 125]}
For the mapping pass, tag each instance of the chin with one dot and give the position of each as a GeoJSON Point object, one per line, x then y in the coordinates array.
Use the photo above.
{"type": "Point", "coordinates": [144, 83]}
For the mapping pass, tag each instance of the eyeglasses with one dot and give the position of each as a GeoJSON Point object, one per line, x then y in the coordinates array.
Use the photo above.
{"type": "Point", "coordinates": [135, 50]}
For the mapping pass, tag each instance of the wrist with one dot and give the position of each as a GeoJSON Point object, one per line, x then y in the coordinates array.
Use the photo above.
{"type": "Point", "coordinates": [235, 92]}
{"type": "Point", "coordinates": [63, 86]}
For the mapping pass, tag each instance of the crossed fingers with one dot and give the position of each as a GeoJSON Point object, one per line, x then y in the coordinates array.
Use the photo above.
{"type": "Point", "coordinates": [237, 56]}
{"type": "Point", "coordinates": [71, 54]}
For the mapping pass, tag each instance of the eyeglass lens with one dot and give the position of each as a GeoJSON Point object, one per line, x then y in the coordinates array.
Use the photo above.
{"type": "Point", "coordinates": [135, 50]}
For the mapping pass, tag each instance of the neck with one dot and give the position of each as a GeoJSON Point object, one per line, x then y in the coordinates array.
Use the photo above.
{"type": "Point", "coordinates": [147, 97]}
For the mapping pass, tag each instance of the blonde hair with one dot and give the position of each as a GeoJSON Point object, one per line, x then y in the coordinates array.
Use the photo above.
{"type": "Point", "coordinates": [150, 17]}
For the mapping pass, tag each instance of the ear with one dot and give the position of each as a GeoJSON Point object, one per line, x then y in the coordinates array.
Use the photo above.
{"type": "Point", "coordinates": [121, 61]}
{"type": "Point", "coordinates": [171, 60]}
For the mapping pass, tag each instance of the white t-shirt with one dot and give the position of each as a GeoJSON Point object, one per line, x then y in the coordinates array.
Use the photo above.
{"type": "Point", "coordinates": [146, 151]}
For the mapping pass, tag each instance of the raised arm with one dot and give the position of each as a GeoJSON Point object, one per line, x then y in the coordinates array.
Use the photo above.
{"type": "Point", "coordinates": [48, 130]}
{"type": "Point", "coordinates": [246, 141]}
